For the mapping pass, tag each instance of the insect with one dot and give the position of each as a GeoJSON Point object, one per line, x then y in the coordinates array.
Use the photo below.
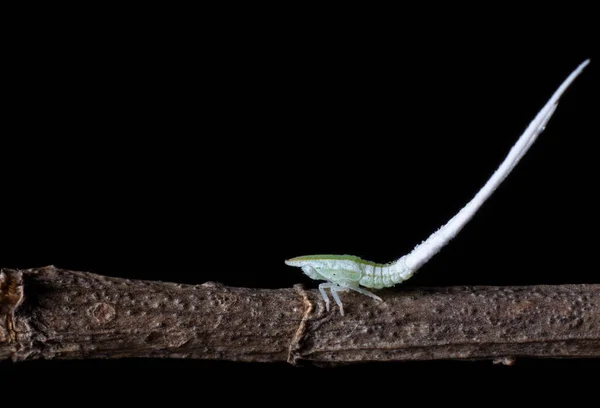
{"type": "Point", "coordinates": [346, 272]}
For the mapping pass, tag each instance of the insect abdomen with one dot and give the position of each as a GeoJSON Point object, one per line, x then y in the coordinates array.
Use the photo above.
{"type": "Point", "coordinates": [376, 276]}
{"type": "Point", "coordinates": [379, 276]}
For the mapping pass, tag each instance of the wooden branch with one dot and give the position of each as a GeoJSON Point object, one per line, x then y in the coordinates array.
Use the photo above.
{"type": "Point", "coordinates": [52, 313]}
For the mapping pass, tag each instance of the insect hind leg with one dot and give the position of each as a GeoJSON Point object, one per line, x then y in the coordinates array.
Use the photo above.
{"type": "Point", "coordinates": [364, 292]}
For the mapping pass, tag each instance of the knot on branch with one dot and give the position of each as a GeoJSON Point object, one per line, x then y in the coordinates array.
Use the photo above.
{"type": "Point", "coordinates": [11, 296]}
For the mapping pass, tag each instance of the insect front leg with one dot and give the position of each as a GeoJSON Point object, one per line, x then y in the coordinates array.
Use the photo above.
{"type": "Point", "coordinates": [322, 288]}
{"type": "Point", "coordinates": [335, 288]}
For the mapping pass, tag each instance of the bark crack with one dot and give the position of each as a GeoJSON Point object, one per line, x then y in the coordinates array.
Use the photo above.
{"type": "Point", "coordinates": [296, 343]}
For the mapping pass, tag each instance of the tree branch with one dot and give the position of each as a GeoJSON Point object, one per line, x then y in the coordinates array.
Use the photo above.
{"type": "Point", "coordinates": [52, 313]}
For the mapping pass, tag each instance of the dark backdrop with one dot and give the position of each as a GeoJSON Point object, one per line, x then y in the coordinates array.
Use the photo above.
{"type": "Point", "coordinates": [214, 150]}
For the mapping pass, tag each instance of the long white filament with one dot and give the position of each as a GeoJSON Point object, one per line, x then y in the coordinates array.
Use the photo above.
{"type": "Point", "coordinates": [423, 252]}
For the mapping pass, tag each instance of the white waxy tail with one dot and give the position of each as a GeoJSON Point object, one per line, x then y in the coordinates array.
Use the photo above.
{"type": "Point", "coordinates": [423, 252]}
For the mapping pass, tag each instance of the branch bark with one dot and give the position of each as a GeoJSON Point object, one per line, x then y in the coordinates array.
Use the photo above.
{"type": "Point", "coordinates": [51, 313]}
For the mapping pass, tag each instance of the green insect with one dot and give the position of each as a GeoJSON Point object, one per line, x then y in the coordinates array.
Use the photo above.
{"type": "Point", "coordinates": [345, 272]}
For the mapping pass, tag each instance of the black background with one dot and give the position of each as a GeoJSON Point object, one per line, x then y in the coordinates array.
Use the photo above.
{"type": "Point", "coordinates": [215, 148]}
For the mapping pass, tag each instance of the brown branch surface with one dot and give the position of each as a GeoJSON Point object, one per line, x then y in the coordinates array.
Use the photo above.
{"type": "Point", "coordinates": [52, 313]}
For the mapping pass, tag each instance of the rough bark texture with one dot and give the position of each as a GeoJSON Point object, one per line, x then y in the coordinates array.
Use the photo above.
{"type": "Point", "coordinates": [52, 313]}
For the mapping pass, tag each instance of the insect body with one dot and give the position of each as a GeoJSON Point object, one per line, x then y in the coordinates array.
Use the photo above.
{"type": "Point", "coordinates": [346, 272]}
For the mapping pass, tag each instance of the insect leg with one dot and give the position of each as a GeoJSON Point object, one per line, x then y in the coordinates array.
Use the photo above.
{"type": "Point", "coordinates": [364, 292]}
{"type": "Point", "coordinates": [334, 291]}
{"type": "Point", "coordinates": [322, 288]}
